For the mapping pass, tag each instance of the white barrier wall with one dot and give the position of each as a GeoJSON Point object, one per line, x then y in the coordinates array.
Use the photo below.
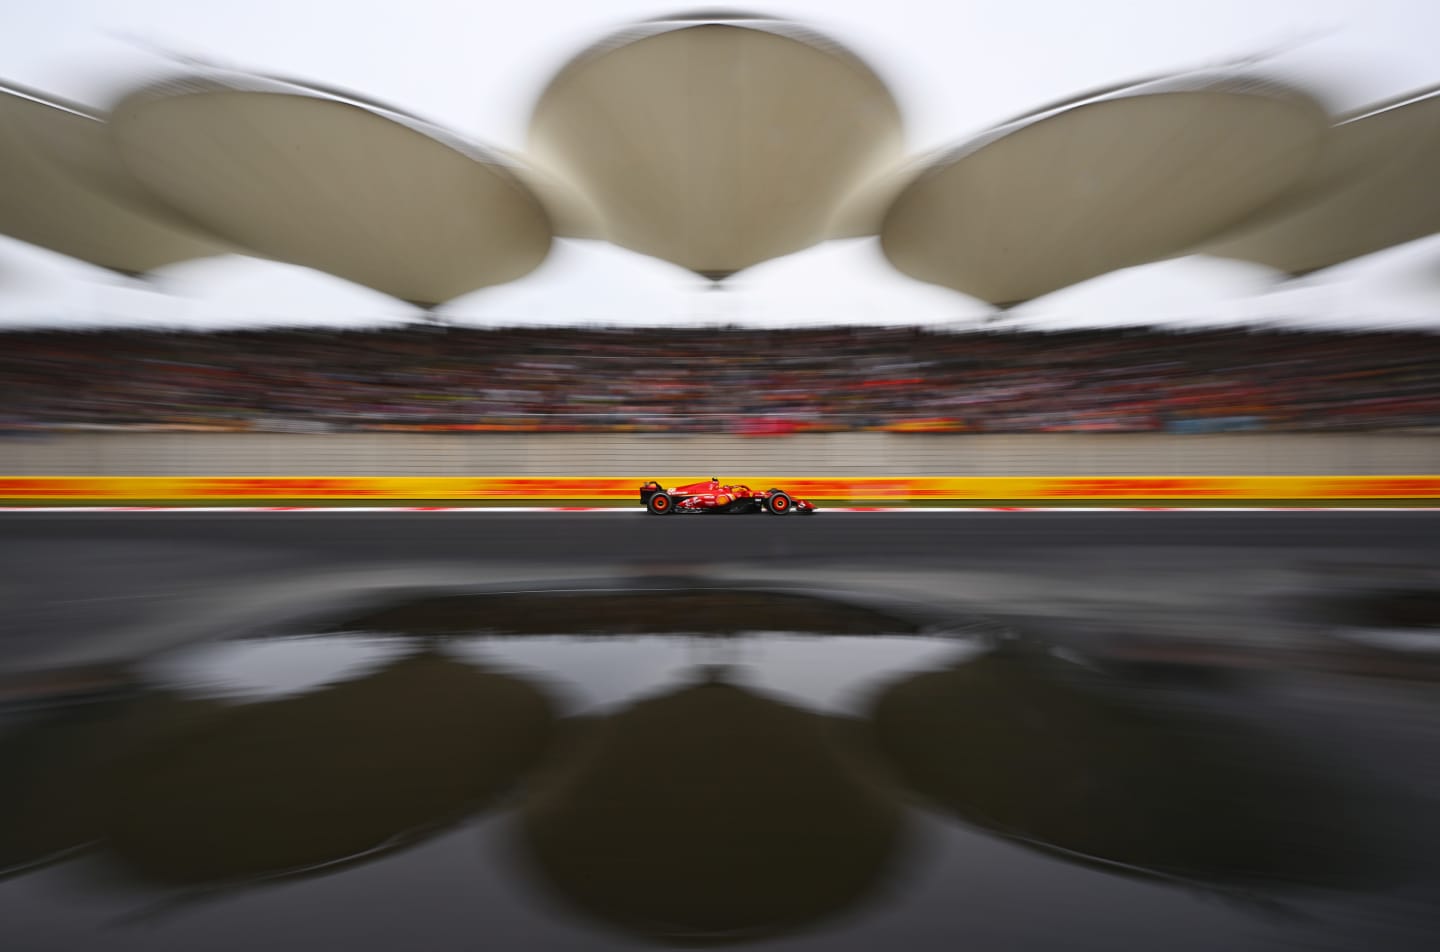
{"type": "Point", "coordinates": [833, 454]}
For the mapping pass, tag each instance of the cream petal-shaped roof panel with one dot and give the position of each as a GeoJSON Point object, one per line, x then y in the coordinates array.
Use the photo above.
{"type": "Point", "coordinates": [341, 185]}
{"type": "Point", "coordinates": [61, 188]}
{"type": "Point", "coordinates": [1118, 180]}
{"type": "Point", "coordinates": [1374, 188]}
{"type": "Point", "coordinates": [716, 141]}
{"type": "Point", "coordinates": [572, 214]}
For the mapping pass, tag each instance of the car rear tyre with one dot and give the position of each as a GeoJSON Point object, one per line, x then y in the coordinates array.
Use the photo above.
{"type": "Point", "coordinates": [660, 504]}
{"type": "Point", "coordinates": [779, 503]}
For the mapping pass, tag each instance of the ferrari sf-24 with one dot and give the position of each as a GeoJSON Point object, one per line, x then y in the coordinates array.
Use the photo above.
{"type": "Point", "coordinates": [716, 498]}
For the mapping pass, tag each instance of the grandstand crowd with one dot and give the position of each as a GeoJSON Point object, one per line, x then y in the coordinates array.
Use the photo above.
{"type": "Point", "coordinates": [761, 382]}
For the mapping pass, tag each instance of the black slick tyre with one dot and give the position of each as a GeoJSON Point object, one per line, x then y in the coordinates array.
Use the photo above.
{"type": "Point", "coordinates": [660, 504]}
{"type": "Point", "coordinates": [779, 503]}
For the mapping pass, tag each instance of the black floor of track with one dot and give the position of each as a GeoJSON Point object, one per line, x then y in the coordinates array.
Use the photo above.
{"type": "Point", "coordinates": [1198, 626]}
{"type": "Point", "coordinates": [71, 577]}
{"type": "Point", "coordinates": [584, 536]}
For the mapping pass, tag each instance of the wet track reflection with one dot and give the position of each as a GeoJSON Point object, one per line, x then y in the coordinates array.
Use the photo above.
{"type": "Point", "coordinates": [1020, 746]}
{"type": "Point", "coordinates": [570, 767]}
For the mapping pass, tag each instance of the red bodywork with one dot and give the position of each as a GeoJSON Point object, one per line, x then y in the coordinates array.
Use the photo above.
{"type": "Point", "coordinates": [712, 496]}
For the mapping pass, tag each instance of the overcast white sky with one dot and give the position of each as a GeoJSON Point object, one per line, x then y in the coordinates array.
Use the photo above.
{"type": "Point", "coordinates": [956, 66]}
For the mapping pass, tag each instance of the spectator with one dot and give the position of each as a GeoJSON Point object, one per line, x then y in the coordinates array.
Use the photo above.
{"type": "Point", "coordinates": [759, 382]}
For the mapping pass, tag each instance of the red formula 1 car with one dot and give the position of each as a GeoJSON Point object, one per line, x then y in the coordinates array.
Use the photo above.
{"type": "Point", "coordinates": [713, 497]}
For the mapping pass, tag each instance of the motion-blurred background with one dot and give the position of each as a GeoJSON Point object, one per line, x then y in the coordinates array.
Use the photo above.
{"type": "Point", "coordinates": [306, 308]}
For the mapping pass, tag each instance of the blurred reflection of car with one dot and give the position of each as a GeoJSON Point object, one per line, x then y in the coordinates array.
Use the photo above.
{"type": "Point", "coordinates": [714, 497]}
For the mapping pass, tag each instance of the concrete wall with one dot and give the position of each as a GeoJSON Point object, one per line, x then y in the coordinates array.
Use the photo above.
{"type": "Point", "coordinates": [837, 454]}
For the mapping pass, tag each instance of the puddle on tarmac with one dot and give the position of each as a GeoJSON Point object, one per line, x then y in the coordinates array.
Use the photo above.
{"type": "Point", "coordinates": [582, 769]}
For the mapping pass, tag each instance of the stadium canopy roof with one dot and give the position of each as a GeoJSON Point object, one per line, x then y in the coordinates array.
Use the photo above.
{"type": "Point", "coordinates": [716, 141]}
{"type": "Point", "coordinates": [1373, 188]}
{"type": "Point", "coordinates": [62, 188]}
{"type": "Point", "coordinates": [1118, 179]}
{"type": "Point", "coordinates": [345, 186]}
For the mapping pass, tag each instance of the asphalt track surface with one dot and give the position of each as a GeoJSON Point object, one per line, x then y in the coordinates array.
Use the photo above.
{"type": "Point", "coordinates": [89, 579]}
{"type": "Point", "coordinates": [92, 588]}
{"type": "Point", "coordinates": [929, 537]}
